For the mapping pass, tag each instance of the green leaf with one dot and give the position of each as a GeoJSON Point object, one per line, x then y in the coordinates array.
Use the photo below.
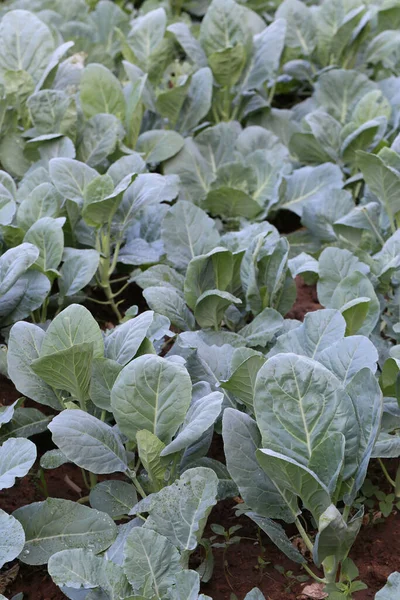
{"type": "Point", "coordinates": [241, 440]}
{"type": "Point", "coordinates": [47, 235]}
{"type": "Point", "coordinates": [268, 47]}
{"type": "Point", "coordinates": [14, 263]}
{"type": "Point", "coordinates": [356, 286]}
{"type": "Point", "coordinates": [382, 180]}
{"type": "Point", "coordinates": [24, 347]}
{"type": "Point", "coordinates": [354, 313]}
{"type": "Point", "coordinates": [43, 201]}
{"type": "Point", "coordinates": [25, 423]}
{"type": "Point", "coordinates": [391, 589]}
{"type": "Point", "coordinates": [71, 177]}
{"type": "Point", "coordinates": [101, 92]}
{"type": "Point", "coordinates": [151, 393]}
{"type": "Point", "coordinates": [100, 136]}
{"type": "Point", "coordinates": [168, 302]}
{"type": "Point", "coordinates": [227, 64]}
{"type": "Point", "coordinates": [26, 43]}
{"type": "Point", "coordinates": [81, 569]}
{"type": "Point", "coordinates": [186, 586]}
{"type": "Point", "coordinates": [149, 449]}
{"type": "Point", "coordinates": [88, 442]}
{"type": "Point", "coordinates": [335, 264]}
{"type": "Point", "coordinates": [17, 456]}
{"type": "Point", "coordinates": [179, 512]}
{"type": "Point", "coordinates": [187, 232]}
{"type": "Point", "coordinates": [295, 480]}
{"type": "Point", "coordinates": [277, 534]}
{"type": "Point", "coordinates": [245, 365]}
{"type": "Point", "coordinates": [122, 343]}
{"type": "Point", "coordinates": [159, 145]}
{"type": "Point", "coordinates": [211, 306]}
{"type": "Point", "coordinates": [56, 524]}
{"type": "Point", "coordinates": [146, 36]}
{"type": "Point", "coordinates": [12, 536]}
{"type": "Point", "coordinates": [151, 561]}
{"type": "Point", "coordinates": [346, 357]}
{"type": "Point", "coordinates": [301, 32]}
{"type": "Point", "coordinates": [262, 328]}
{"type": "Point", "coordinates": [335, 537]}
{"type": "Point", "coordinates": [198, 99]}
{"type": "Point", "coordinates": [74, 325]}
{"type": "Point", "coordinates": [53, 111]}
{"type": "Point", "coordinates": [202, 414]}
{"type": "Point", "coordinates": [77, 271]}
{"type": "Point", "coordinates": [297, 403]}
{"type": "Point", "coordinates": [113, 497]}
{"type": "Point", "coordinates": [224, 26]}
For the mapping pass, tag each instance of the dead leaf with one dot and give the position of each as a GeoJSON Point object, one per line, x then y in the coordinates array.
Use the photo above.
{"type": "Point", "coordinates": [315, 591]}
{"type": "Point", "coordinates": [8, 577]}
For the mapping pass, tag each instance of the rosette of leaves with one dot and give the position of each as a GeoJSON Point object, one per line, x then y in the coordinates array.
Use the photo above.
{"type": "Point", "coordinates": [347, 113]}
{"type": "Point", "coordinates": [298, 448]}
{"type": "Point", "coordinates": [225, 279]}
{"type": "Point", "coordinates": [231, 172]}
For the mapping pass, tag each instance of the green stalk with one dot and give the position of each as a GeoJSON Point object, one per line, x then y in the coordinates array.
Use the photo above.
{"type": "Point", "coordinates": [304, 535]}
{"type": "Point", "coordinates": [386, 474]}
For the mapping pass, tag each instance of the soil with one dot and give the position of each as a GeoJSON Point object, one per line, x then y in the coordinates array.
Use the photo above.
{"type": "Point", "coordinates": [306, 300]}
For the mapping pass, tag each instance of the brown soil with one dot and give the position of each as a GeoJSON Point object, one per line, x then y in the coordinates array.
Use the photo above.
{"type": "Point", "coordinates": [306, 300]}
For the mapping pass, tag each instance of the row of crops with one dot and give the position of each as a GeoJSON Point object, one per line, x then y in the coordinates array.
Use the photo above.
{"type": "Point", "coordinates": [153, 157]}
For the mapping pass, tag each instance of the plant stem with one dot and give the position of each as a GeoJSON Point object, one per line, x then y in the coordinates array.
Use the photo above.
{"type": "Point", "coordinates": [346, 512]}
{"type": "Point", "coordinates": [304, 535]}
{"type": "Point", "coordinates": [312, 574]}
{"type": "Point", "coordinates": [83, 500]}
{"type": "Point", "coordinates": [386, 474]}
{"type": "Point", "coordinates": [93, 480]}
{"type": "Point", "coordinates": [85, 480]}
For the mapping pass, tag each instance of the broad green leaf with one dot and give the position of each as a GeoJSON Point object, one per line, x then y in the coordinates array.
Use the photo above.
{"type": "Point", "coordinates": [77, 271]}
{"type": "Point", "coordinates": [213, 270]}
{"type": "Point", "coordinates": [187, 232]}
{"type": "Point", "coordinates": [366, 397]}
{"type": "Point", "coordinates": [391, 589]}
{"type": "Point", "coordinates": [149, 449]}
{"type": "Point", "coordinates": [68, 369]}
{"type": "Point", "coordinates": [56, 524]}
{"type": "Point", "coordinates": [122, 343]}
{"type": "Point", "coordinates": [301, 30]}
{"type": "Point", "coordinates": [100, 137]}
{"type": "Point", "coordinates": [297, 403]}
{"type": "Point", "coordinates": [12, 538]}
{"type": "Point", "coordinates": [47, 235]}
{"type": "Point", "coordinates": [308, 184]}
{"type": "Point", "coordinates": [25, 423]}
{"type": "Point", "coordinates": [335, 537]}
{"type": "Point", "coordinates": [335, 264]}
{"type": "Point", "coordinates": [17, 456]}
{"type": "Point", "coordinates": [201, 415]}
{"type": "Point", "coordinates": [355, 312]}
{"type": "Point", "coordinates": [356, 286]}
{"type": "Point", "coordinates": [24, 347]}
{"type": "Point", "coordinates": [245, 365]}
{"type": "Point", "coordinates": [88, 442]}
{"type": "Point", "coordinates": [268, 47]}
{"type": "Point", "coordinates": [168, 302]}
{"type": "Point", "coordinates": [151, 561]}
{"type": "Point", "coordinates": [277, 534]}
{"type": "Point", "coordinates": [346, 357]}
{"type": "Point", "coordinates": [52, 459]}
{"type": "Point", "coordinates": [339, 90]}
{"type": "Point", "coordinates": [230, 203]}
{"type": "Point", "coordinates": [71, 177]}
{"type": "Point", "coordinates": [169, 102]}
{"type": "Point", "coordinates": [193, 169]}
{"type": "Point", "coordinates": [53, 111]}
{"type": "Point", "coordinates": [241, 440]}
{"type": "Point", "coordinates": [113, 497]}
{"type": "Point", "coordinates": [262, 328]}
{"type": "Point", "coordinates": [189, 43]}
{"type": "Point", "coordinates": [159, 145]}
{"type": "Point", "coordinates": [26, 43]}
{"type": "Point", "coordinates": [295, 480]}
{"type": "Point", "coordinates": [151, 393]}
{"type": "Point", "coordinates": [224, 26]}
{"type": "Point", "coordinates": [186, 586]}
{"type": "Point", "coordinates": [146, 36]}
{"type": "Point", "coordinates": [81, 569]}
{"type": "Point", "coordinates": [211, 306]}
{"type": "Point", "coordinates": [26, 295]}
{"type": "Point", "coordinates": [43, 201]}
{"type": "Point", "coordinates": [382, 180]}
{"type": "Point", "coordinates": [227, 64]}
{"type": "Point", "coordinates": [179, 511]}
{"type": "Point", "coordinates": [8, 206]}
{"type": "Point", "coordinates": [101, 199]}
{"type": "Point", "coordinates": [15, 263]}
{"type": "Point", "coordinates": [198, 99]}
{"type": "Point", "coordinates": [74, 325]}
{"type": "Point", "coordinates": [159, 275]}
{"type": "Point", "coordinates": [101, 92]}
